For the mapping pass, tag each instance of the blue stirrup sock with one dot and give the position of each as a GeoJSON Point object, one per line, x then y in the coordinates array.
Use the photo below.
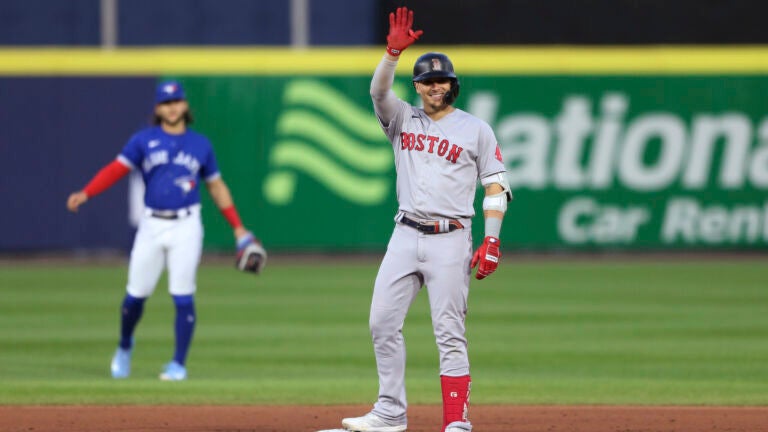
{"type": "Point", "coordinates": [130, 314]}
{"type": "Point", "coordinates": [185, 326]}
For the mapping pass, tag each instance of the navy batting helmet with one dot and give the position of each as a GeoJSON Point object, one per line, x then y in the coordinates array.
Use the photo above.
{"type": "Point", "coordinates": [437, 65]}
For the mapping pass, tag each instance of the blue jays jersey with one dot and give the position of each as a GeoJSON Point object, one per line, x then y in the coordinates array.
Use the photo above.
{"type": "Point", "coordinates": [171, 166]}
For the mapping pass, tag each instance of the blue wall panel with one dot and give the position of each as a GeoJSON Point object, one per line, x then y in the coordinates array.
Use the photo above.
{"type": "Point", "coordinates": [343, 22]}
{"type": "Point", "coordinates": [187, 22]}
{"type": "Point", "coordinates": [55, 134]}
{"type": "Point", "coordinates": [49, 22]}
{"type": "Point", "coordinates": [204, 22]}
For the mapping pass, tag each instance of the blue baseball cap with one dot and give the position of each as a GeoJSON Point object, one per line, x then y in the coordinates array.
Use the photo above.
{"type": "Point", "coordinates": [169, 90]}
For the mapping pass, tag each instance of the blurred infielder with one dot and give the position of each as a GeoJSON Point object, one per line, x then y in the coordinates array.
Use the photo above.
{"type": "Point", "coordinates": [172, 160]}
{"type": "Point", "coordinates": [440, 154]}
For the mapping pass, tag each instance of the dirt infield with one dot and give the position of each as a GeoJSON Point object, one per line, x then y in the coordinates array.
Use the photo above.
{"type": "Point", "coordinates": [499, 418]}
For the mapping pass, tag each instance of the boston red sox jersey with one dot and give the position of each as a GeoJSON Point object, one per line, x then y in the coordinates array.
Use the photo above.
{"type": "Point", "coordinates": [439, 162]}
{"type": "Point", "coordinates": [171, 166]}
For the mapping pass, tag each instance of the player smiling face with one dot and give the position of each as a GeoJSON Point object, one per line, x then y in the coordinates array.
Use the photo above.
{"type": "Point", "coordinates": [432, 92]}
{"type": "Point", "coordinates": [171, 113]}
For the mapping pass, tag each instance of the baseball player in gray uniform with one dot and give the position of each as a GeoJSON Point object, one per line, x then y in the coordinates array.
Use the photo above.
{"type": "Point", "coordinates": [440, 154]}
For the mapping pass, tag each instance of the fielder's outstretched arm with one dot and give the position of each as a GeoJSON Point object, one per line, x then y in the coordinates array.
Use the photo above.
{"type": "Point", "coordinates": [102, 181]}
{"type": "Point", "coordinates": [223, 199]}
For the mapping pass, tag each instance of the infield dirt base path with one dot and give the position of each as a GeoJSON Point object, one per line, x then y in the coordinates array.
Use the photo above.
{"type": "Point", "coordinates": [424, 418]}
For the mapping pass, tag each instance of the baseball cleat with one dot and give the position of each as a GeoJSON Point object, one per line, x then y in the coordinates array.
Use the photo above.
{"type": "Point", "coordinates": [121, 363]}
{"type": "Point", "coordinates": [459, 427]}
{"type": "Point", "coordinates": [370, 423]}
{"type": "Point", "coordinates": [173, 372]}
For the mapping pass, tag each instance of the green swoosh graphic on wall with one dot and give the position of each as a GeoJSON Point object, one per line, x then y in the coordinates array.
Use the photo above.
{"type": "Point", "coordinates": [325, 135]}
{"type": "Point", "coordinates": [314, 128]}
{"type": "Point", "coordinates": [316, 164]}
{"type": "Point", "coordinates": [336, 105]}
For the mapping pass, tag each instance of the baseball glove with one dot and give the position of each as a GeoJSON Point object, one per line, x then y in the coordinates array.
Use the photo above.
{"type": "Point", "coordinates": [251, 255]}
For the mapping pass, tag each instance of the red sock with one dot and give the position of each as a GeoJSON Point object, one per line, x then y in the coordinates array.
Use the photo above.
{"type": "Point", "coordinates": [455, 398]}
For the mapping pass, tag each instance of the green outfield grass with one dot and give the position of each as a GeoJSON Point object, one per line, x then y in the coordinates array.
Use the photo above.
{"type": "Point", "coordinates": [540, 333]}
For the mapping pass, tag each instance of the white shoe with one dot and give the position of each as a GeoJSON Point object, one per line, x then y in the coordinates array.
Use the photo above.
{"type": "Point", "coordinates": [121, 363]}
{"type": "Point", "coordinates": [173, 372]}
{"type": "Point", "coordinates": [370, 423]}
{"type": "Point", "coordinates": [458, 427]}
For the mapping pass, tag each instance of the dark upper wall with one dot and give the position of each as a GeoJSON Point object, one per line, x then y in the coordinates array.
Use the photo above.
{"type": "Point", "coordinates": [203, 22]}
{"type": "Point", "coordinates": [184, 22]}
{"type": "Point", "coordinates": [364, 22]}
{"type": "Point", "coordinates": [56, 133]}
{"type": "Point", "coordinates": [49, 22]}
{"type": "Point", "coordinates": [585, 21]}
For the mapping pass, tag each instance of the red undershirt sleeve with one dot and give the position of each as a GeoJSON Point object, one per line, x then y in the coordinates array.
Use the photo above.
{"type": "Point", "coordinates": [105, 178]}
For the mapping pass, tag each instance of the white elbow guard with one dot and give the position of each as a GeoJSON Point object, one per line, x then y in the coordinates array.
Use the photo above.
{"type": "Point", "coordinates": [501, 180]}
{"type": "Point", "coordinates": [496, 202]}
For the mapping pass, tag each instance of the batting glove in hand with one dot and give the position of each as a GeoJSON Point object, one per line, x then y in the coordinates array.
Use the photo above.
{"type": "Point", "coordinates": [401, 35]}
{"type": "Point", "coordinates": [487, 255]}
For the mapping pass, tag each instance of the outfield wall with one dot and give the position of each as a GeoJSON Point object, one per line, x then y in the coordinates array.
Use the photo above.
{"type": "Point", "coordinates": [607, 148]}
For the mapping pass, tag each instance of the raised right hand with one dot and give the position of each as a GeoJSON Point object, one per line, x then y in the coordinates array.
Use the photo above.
{"type": "Point", "coordinates": [401, 35]}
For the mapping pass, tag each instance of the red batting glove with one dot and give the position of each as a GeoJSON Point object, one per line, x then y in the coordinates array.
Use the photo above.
{"type": "Point", "coordinates": [401, 35]}
{"type": "Point", "coordinates": [487, 255]}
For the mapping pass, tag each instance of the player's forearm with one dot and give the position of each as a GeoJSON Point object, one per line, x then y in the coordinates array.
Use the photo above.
{"type": "Point", "coordinates": [220, 193]}
{"type": "Point", "coordinates": [383, 77]}
{"type": "Point", "coordinates": [105, 178]}
{"type": "Point", "coordinates": [222, 197]}
{"type": "Point", "coordinates": [385, 102]}
{"type": "Point", "coordinates": [493, 220]}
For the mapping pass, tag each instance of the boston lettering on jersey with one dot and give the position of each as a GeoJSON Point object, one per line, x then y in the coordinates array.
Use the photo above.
{"type": "Point", "coordinates": [432, 144]}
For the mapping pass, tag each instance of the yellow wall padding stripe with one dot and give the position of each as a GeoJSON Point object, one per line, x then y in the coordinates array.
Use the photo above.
{"type": "Point", "coordinates": [468, 60]}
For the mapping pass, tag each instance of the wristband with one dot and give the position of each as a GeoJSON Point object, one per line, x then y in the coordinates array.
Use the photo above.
{"type": "Point", "coordinates": [393, 52]}
{"type": "Point", "coordinates": [245, 240]}
{"type": "Point", "coordinates": [492, 227]}
{"type": "Point", "coordinates": [230, 214]}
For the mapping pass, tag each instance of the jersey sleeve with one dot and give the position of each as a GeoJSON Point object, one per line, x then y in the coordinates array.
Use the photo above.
{"type": "Point", "coordinates": [133, 152]}
{"type": "Point", "coordinates": [489, 160]}
{"type": "Point", "coordinates": [395, 125]}
{"type": "Point", "coordinates": [388, 107]}
{"type": "Point", "coordinates": [384, 99]}
{"type": "Point", "coordinates": [210, 168]}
